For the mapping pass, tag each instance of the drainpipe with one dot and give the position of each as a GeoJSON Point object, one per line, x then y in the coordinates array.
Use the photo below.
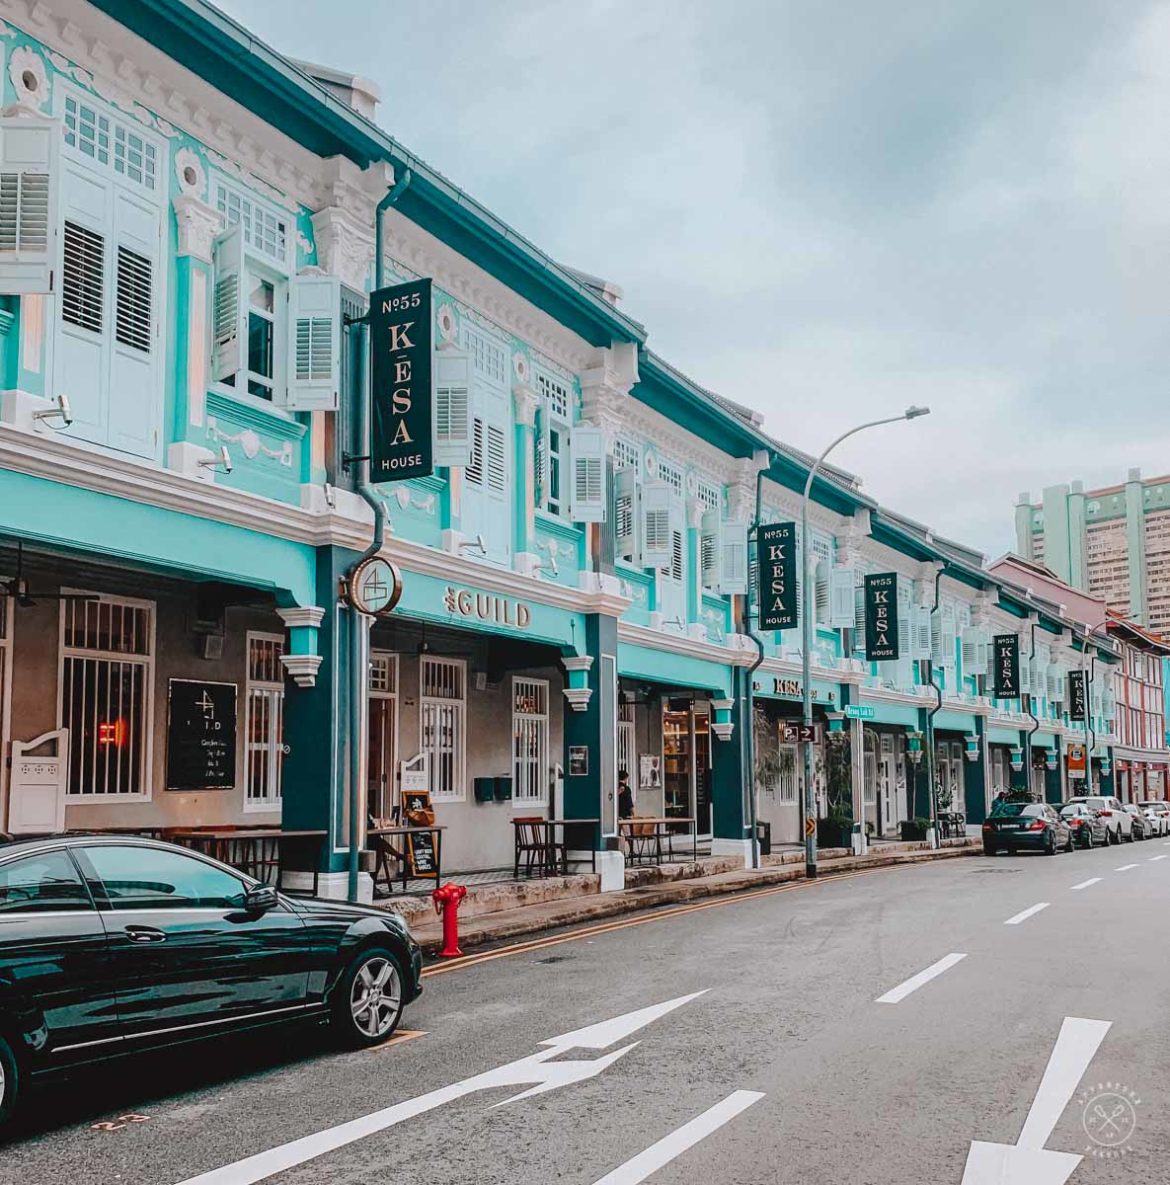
{"type": "Point", "coordinates": [931, 763]}
{"type": "Point", "coordinates": [359, 632]}
{"type": "Point", "coordinates": [1032, 715]}
{"type": "Point", "coordinates": [1092, 730]}
{"type": "Point", "coordinates": [749, 722]}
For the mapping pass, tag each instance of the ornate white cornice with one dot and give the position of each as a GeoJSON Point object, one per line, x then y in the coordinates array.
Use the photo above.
{"type": "Point", "coordinates": [526, 402]}
{"type": "Point", "coordinates": [344, 228]}
{"type": "Point", "coordinates": [128, 68]}
{"type": "Point", "coordinates": [424, 255]}
{"type": "Point", "coordinates": [605, 389]}
{"type": "Point", "coordinates": [641, 635]}
{"type": "Point", "coordinates": [302, 617]}
{"type": "Point", "coordinates": [786, 503]}
{"type": "Point", "coordinates": [198, 223]}
{"type": "Point", "coordinates": [302, 667]}
{"type": "Point", "coordinates": [674, 443]}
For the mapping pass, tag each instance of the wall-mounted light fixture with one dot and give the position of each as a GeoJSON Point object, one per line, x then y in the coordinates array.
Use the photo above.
{"type": "Point", "coordinates": [61, 412]}
{"type": "Point", "coordinates": [223, 461]}
{"type": "Point", "coordinates": [476, 544]}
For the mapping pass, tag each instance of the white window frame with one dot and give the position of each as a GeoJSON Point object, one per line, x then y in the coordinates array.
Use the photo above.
{"type": "Point", "coordinates": [388, 660]}
{"type": "Point", "coordinates": [273, 691]}
{"type": "Point", "coordinates": [537, 722]}
{"type": "Point", "coordinates": [222, 185]}
{"type": "Point", "coordinates": [458, 706]}
{"type": "Point", "coordinates": [146, 662]}
{"type": "Point", "coordinates": [556, 419]}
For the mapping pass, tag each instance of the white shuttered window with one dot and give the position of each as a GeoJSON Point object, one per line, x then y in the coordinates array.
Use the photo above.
{"type": "Point", "coordinates": [29, 179]}
{"type": "Point", "coordinates": [264, 730]}
{"type": "Point", "coordinates": [529, 740]}
{"type": "Point", "coordinates": [442, 724]}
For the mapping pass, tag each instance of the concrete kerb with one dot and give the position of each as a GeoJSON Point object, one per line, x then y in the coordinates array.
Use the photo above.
{"type": "Point", "coordinates": [558, 911]}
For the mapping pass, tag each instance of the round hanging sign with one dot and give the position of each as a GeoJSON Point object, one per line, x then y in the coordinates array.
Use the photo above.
{"type": "Point", "coordinates": [374, 586]}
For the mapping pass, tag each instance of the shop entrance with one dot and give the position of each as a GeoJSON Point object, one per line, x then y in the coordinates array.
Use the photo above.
{"type": "Point", "coordinates": [888, 785]}
{"type": "Point", "coordinates": [382, 751]}
{"type": "Point", "coordinates": [686, 762]}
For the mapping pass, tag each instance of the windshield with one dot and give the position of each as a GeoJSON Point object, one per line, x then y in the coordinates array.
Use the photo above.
{"type": "Point", "coordinates": [1067, 811]}
{"type": "Point", "coordinates": [1013, 810]}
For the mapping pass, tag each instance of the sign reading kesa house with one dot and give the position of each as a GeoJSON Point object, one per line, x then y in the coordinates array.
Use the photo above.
{"type": "Point", "coordinates": [400, 382]}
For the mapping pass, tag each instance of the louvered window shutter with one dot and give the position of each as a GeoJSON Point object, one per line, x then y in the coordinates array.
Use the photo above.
{"type": "Point", "coordinates": [842, 609]}
{"type": "Point", "coordinates": [821, 590]}
{"type": "Point", "coordinates": [314, 343]}
{"type": "Point", "coordinates": [29, 181]}
{"type": "Point", "coordinates": [859, 605]}
{"type": "Point", "coordinates": [540, 456]}
{"type": "Point", "coordinates": [587, 453]}
{"type": "Point", "coordinates": [657, 499]}
{"type": "Point", "coordinates": [974, 651]}
{"type": "Point", "coordinates": [922, 631]}
{"type": "Point", "coordinates": [452, 419]}
{"type": "Point", "coordinates": [710, 548]}
{"type": "Point", "coordinates": [677, 548]}
{"type": "Point", "coordinates": [937, 645]}
{"type": "Point", "coordinates": [1025, 667]}
{"type": "Point", "coordinates": [134, 300]}
{"type": "Point", "coordinates": [905, 623]}
{"type": "Point", "coordinates": [626, 514]}
{"type": "Point", "coordinates": [947, 658]}
{"type": "Point", "coordinates": [83, 278]}
{"type": "Point", "coordinates": [475, 462]}
{"type": "Point", "coordinates": [230, 313]}
{"type": "Point", "coordinates": [733, 553]}
{"type": "Point", "coordinates": [1056, 683]}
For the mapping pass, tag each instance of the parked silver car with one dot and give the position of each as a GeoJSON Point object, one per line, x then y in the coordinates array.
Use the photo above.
{"type": "Point", "coordinates": [1159, 811]}
{"type": "Point", "coordinates": [1120, 823]}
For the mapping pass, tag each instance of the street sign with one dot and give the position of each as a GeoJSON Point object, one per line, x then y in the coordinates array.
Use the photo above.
{"type": "Point", "coordinates": [401, 395]}
{"type": "Point", "coordinates": [794, 733]}
{"type": "Point", "coordinates": [859, 712]}
{"type": "Point", "coordinates": [810, 826]}
{"type": "Point", "coordinates": [374, 586]}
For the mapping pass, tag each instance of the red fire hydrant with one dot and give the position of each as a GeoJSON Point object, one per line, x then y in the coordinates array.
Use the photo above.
{"type": "Point", "coordinates": [447, 898]}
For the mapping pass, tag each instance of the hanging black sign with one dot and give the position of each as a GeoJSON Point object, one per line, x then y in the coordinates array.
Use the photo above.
{"type": "Point", "coordinates": [1076, 695]}
{"type": "Point", "coordinates": [1007, 666]}
{"type": "Point", "coordinates": [776, 564]}
{"type": "Point", "coordinates": [881, 617]}
{"type": "Point", "coordinates": [400, 382]}
{"type": "Point", "coordinates": [201, 735]}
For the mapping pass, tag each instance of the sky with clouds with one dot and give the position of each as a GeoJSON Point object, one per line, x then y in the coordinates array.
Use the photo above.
{"type": "Point", "coordinates": [830, 211]}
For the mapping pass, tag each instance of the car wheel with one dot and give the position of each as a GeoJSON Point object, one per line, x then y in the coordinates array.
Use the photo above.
{"type": "Point", "coordinates": [370, 998]}
{"type": "Point", "coordinates": [1088, 839]}
{"type": "Point", "coordinates": [988, 849]}
{"type": "Point", "coordinates": [9, 1082]}
{"type": "Point", "coordinates": [1129, 837]}
{"type": "Point", "coordinates": [1050, 844]}
{"type": "Point", "coordinates": [1068, 847]}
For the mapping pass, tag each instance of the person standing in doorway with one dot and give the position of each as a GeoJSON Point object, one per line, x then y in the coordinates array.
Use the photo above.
{"type": "Point", "coordinates": [625, 795]}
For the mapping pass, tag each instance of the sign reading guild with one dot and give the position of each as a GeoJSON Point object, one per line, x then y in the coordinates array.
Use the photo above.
{"type": "Point", "coordinates": [487, 607]}
{"type": "Point", "coordinates": [1076, 695]}
{"type": "Point", "coordinates": [776, 561]}
{"type": "Point", "coordinates": [1007, 666]}
{"type": "Point", "coordinates": [881, 617]}
{"type": "Point", "coordinates": [374, 586]}
{"type": "Point", "coordinates": [400, 382]}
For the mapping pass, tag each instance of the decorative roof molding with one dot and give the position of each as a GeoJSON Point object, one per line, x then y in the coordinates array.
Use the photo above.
{"type": "Point", "coordinates": [198, 223]}
{"type": "Point", "coordinates": [413, 248]}
{"type": "Point", "coordinates": [131, 67]}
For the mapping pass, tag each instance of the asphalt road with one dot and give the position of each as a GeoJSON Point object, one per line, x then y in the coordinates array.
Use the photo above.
{"type": "Point", "coordinates": [811, 1078]}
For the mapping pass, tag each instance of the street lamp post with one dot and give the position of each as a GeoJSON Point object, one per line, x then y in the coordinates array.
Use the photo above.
{"type": "Point", "coordinates": [806, 635]}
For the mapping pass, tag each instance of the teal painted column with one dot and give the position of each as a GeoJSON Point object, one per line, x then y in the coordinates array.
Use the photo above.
{"type": "Point", "coordinates": [524, 508]}
{"type": "Point", "coordinates": [694, 560]}
{"type": "Point", "coordinates": [922, 771]}
{"type": "Point", "coordinates": [591, 724]}
{"type": "Point", "coordinates": [1019, 777]}
{"type": "Point", "coordinates": [731, 781]}
{"type": "Point", "coordinates": [196, 225]}
{"type": "Point", "coordinates": [1107, 775]}
{"type": "Point", "coordinates": [314, 772]}
{"type": "Point", "coordinates": [975, 774]}
{"type": "Point", "coordinates": [1053, 790]}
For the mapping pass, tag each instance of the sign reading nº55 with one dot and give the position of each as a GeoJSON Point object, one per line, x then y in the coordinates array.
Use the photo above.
{"type": "Point", "coordinates": [400, 382]}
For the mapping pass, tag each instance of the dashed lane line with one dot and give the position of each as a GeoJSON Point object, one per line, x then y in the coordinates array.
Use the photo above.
{"type": "Point", "coordinates": [1093, 880]}
{"type": "Point", "coordinates": [1125, 868]}
{"type": "Point", "coordinates": [1155, 859]}
{"type": "Point", "coordinates": [898, 994]}
{"type": "Point", "coordinates": [1024, 915]}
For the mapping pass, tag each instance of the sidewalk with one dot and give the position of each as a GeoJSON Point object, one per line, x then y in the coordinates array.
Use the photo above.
{"type": "Point", "coordinates": [554, 903]}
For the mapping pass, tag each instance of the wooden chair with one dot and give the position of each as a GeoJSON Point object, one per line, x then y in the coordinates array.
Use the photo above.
{"type": "Point", "coordinates": [384, 853]}
{"type": "Point", "coordinates": [642, 839]}
{"type": "Point", "coordinates": [531, 843]}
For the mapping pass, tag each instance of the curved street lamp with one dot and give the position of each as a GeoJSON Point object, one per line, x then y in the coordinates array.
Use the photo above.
{"type": "Point", "coordinates": [806, 634]}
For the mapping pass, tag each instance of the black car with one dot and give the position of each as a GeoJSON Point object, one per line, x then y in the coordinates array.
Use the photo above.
{"type": "Point", "coordinates": [1026, 827]}
{"type": "Point", "coordinates": [1088, 826]}
{"type": "Point", "coordinates": [110, 944]}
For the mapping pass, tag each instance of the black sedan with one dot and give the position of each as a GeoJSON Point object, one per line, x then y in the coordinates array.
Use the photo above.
{"type": "Point", "coordinates": [1088, 827]}
{"type": "Point", "coordinates": [1026, 827]}
{"type": "Point", "coordinates": [110, 945]}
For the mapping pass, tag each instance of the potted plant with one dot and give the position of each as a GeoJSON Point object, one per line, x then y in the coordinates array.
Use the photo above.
{"type": "Point", "coordinates": [914, 830]}
{"type": "Point", "coordinates": [835, 830]}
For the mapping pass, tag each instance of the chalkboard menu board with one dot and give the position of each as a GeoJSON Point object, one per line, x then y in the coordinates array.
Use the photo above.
{"type": "Point", "coordinates": [420, 850]}
{"type": "Point", "coordinates": [201, 735]}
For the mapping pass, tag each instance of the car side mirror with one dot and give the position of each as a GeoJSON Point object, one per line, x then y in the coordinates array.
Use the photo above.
{"type": "Point", "coordinates": [260, 899]}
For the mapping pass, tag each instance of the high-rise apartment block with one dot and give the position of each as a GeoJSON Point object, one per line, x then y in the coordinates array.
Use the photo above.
{"type": "Point", "coordinates": [1112, 543]}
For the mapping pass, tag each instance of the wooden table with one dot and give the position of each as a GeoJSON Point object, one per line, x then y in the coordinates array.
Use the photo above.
{"type": "Point", "coordinates": [385, 851]}
{"type": "Point", "coordinates": [255, 851]}
{"type": "Point", "coordinates": [659, 831]}
{"type": "Point", "coordinates": [549, 865]}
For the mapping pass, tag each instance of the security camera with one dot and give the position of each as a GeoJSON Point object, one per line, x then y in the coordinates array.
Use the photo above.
{"type": "Point", "coordinates": [62, 412]}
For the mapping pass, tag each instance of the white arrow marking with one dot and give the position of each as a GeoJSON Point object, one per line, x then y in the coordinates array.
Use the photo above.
{"type": "Point", "coordinates": [1028, 1162]}
{"type": "Point", "coordinates": [538, 1069]}
{"type": "Point", "coordinates": [1024, 915]}
{"type": "Point", "coordinates": [1125, 868]}
{"type": "Point", "coordinates": [670, 1147]}
{"type": "Point", "coordinates": [898, 994]}
{"type": "Point", "coordinates": [1093, 880]}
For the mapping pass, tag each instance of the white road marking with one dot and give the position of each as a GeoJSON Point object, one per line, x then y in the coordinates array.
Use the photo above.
{"type": "Point", "coordinates": [1125, 868]}
{"type": "Point", "coordinates": [898, 994]}
{"type": "Point", "coordinates": [538, 1068]}
{"type": "Point", "coordinates": [1093, 880]}
{"type": "Point", "coordinates": [645, 1164]}
{"type": "Point", "coordinates": [1154, 859]}
{"type": "Point", "coordinates": [1027, 1162]}
{"type": "Point", "coordinates": [1026, 914]}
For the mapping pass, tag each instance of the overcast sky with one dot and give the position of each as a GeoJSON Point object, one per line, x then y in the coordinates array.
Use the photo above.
{"type": "Point", "coordinates": [830, 211]}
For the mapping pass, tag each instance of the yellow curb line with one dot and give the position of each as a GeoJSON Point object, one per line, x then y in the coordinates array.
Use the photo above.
{"type": "Point", "coordinates": [520, 948]}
